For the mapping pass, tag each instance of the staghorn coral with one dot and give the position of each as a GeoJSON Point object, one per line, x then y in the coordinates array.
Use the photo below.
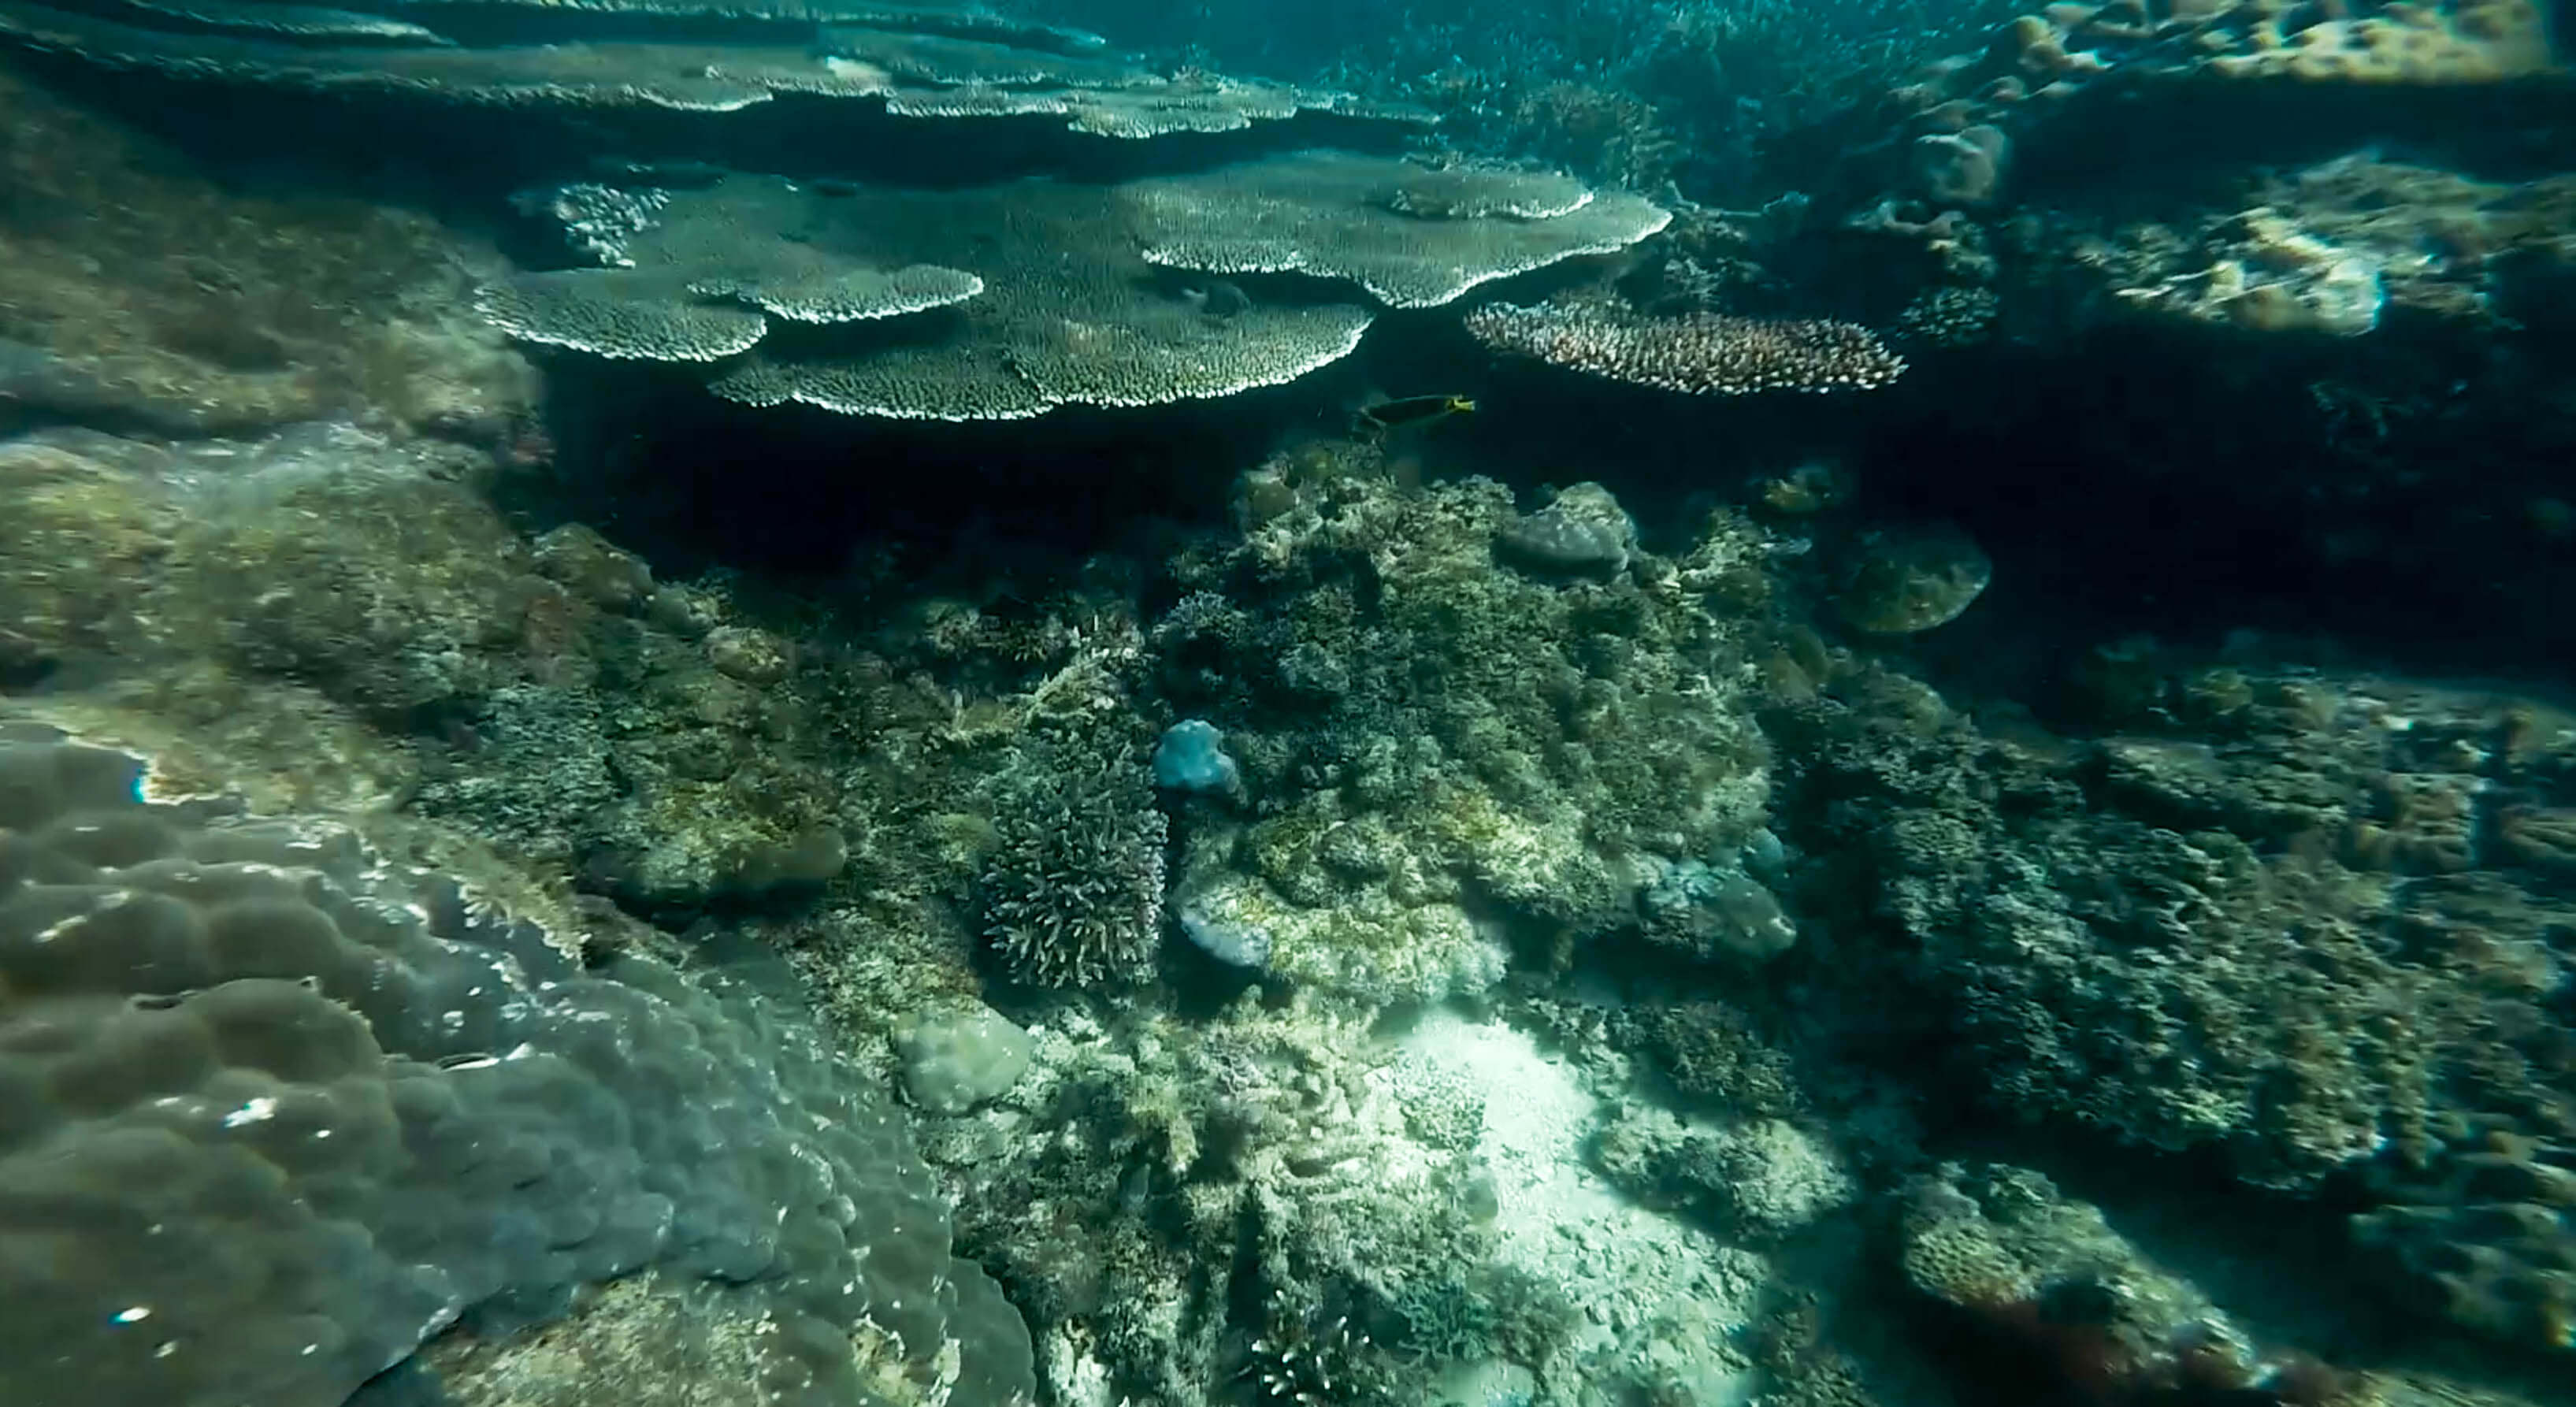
{"type": "Point", "coordinates": [1697, 354]}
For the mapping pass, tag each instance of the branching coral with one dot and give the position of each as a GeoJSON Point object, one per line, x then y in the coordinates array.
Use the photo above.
{"type": "Point", "coordinates": [1073, 892]}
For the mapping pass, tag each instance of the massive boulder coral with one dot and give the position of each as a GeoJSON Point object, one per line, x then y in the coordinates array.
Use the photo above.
{"type": "Point", "coordinates": [1008, 300]}
{"type": "Point", "coordinates": [279, 1111]}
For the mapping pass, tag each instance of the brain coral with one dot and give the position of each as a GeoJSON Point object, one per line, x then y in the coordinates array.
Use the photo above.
{"type": "Point", "coordinates": [273, 1112]}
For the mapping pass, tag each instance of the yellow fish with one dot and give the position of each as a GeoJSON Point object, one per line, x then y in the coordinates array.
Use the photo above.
{"type": "Point", "coordinates": [1415, 410]}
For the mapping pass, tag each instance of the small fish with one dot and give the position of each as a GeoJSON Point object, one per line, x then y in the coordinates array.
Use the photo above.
{"type": "Point", "coordinates": [1415, 410]}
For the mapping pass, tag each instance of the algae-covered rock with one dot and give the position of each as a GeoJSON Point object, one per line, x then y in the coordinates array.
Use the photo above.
{"type": "Point", "coordinates": [955, 1060]}
{"type": "Point", "coordinates": [251, 587]}
{"type": "Point", "coordinates": [135, 294]}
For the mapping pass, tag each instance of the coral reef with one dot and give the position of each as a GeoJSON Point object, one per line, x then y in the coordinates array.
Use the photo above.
{"type": "Point", "coordinates": [553, 695]}
{"type": "Point", "coordinates": [1434, 742]}
{"type": "Point", "coordinates": [284, 1110]}
{"type": "Point", "coordinates": [2472, 42]}
{"type": "Point", "coordinates": [2337, 247]}
{"type": "Point", "coordinates": [2197, 941]}
{"type": "Point", "coordinates": [2043, 1282]}
{"type": "Point", "coordinates": [1275, 1206]}
{"type": "Point", "coordinates": [2273, 918]}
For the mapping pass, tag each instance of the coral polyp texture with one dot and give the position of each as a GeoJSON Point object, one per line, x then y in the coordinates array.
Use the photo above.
{"type": "Point", "coordinates": [1008, 300]}
{"type": "Point", "coordinates": [274, 1111]}
{"type": "Point", "coordinates": [1696, 354]}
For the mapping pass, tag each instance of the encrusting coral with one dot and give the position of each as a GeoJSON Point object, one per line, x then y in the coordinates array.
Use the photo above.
{"type": "Point", "coordinates": [139, 293]}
